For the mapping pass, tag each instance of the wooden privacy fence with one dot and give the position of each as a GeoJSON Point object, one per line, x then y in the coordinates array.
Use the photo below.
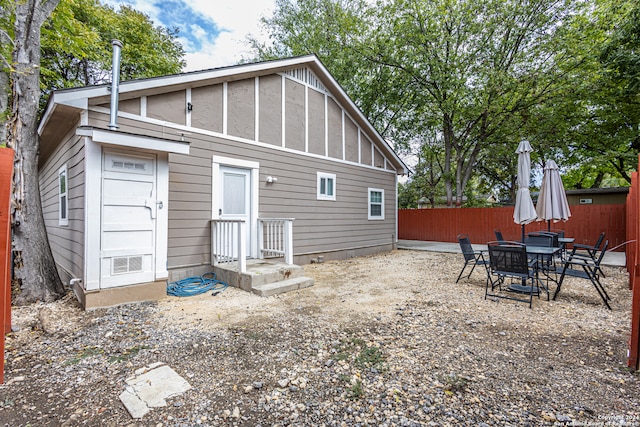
{"type": "Point", "coordinates": [6, 176]}
{"type": "Point", "coordinates": [633, 267]}
{"type": "Point", "coordinates": [444, 224]}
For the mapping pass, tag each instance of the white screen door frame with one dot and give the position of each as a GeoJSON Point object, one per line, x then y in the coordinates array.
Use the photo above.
{"type": "Point", "coordinates": [251, 171]}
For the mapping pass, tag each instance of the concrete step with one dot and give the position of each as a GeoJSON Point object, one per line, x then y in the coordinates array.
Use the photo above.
{"type": "Point", "coordinates": [259, 272]}
{"type": "Point", "coordinates": [282, 286]}
{"type": "Point", "coordinates": [262, 273]}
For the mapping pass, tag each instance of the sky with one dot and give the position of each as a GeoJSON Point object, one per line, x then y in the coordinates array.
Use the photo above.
{"type": "Point", "coordinates": [212, 32]}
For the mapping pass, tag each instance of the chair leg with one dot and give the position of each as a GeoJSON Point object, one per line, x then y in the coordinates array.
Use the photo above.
{"type": "Point", "coordinates": [462, 271]}
{"type": "Point", "coordinates": [599, 287]}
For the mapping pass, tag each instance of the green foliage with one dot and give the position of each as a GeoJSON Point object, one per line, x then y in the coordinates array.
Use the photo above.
{"type": "Point", "coordinates": [467, 80]}
{"type": "Point", "coordinates": [76, 45]}
{"type": "Point", "coordinates": [356, 390]}
{"type": "Point", "coordinates": [83, 354]}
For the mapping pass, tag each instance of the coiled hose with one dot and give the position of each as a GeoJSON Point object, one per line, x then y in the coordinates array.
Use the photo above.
{"type": "Point", "coordinates": [196, 285]}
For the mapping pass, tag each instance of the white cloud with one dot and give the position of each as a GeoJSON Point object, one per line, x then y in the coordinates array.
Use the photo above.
{"type": "Point", "coordinates": [235, 19]}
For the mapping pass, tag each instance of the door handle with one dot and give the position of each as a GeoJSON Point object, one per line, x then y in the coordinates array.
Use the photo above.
{"type": "Point", "coordinates": [151, 205]}
{"type": "Point", "coordinates": [219, 211]}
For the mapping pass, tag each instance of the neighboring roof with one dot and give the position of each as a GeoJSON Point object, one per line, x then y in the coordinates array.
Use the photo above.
{"type": "Point", "coordinates": [77, 98]}
{"type": "Point", "coordinates": [608, 190]}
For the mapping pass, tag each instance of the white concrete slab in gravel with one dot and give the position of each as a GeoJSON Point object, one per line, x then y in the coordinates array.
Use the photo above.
{"type": "Point", "coordinates": [150, 387]}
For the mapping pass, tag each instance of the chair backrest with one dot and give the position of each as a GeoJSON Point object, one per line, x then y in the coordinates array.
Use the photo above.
{"type": "Point", "coordinates": [549, 234]}
{"type": "Point", "coordinates": [508, 257]}
{"type": "Point", "coordinates": [498, 234]}
{"type": "Point", "coordinates": [604, 249]}
{"type": "Point", "coordinates": [539, 240]}
{"type": "Point", "coordinates": [559, 232]}
{"type": "Point", "coordinates": [465, 246]}
{"type": "Point", "coordinates": [599, 241]}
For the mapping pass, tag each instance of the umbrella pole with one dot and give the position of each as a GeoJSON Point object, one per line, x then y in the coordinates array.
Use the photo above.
{"type": "Point", "coordinates": [548, 225]}
{"type": "Point", "coordinates": [522, 234]}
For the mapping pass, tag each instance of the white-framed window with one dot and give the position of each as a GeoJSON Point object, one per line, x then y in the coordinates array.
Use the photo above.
{"type": "Point", "coordinates": [376, 203]}
{"type": "Point", "coordinates": [63, 196]}
{"type": "Point", "coordinates": [326, 186]}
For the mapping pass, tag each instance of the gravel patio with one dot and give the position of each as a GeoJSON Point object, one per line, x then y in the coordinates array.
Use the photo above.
{"type": "Point", "coordinates": [383, 340]}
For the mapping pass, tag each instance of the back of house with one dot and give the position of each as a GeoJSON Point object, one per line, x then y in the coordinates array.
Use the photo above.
{"type": "Point", "coordinates": [132, 194]}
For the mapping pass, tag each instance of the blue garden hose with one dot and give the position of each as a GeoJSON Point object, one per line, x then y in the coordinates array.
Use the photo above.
{"type": "Point", "coordinates": [196, 285]}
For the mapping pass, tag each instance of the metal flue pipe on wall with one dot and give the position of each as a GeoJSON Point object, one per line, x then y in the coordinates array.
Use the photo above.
{"type": "Point", "coordinates": [115, 84]}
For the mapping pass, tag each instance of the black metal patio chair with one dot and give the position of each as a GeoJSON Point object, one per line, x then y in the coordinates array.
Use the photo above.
{"type": "Point", "coordinates": [585, 267]}
{"type": "Point", "coordinates": [508, 260]}
{"type": "Point", "coordinates": [471, 256]}
{"type": "Point", "coordinates": [590, 250]}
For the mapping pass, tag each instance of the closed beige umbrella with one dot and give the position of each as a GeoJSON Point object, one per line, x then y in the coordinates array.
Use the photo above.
{"type": "Point", "coordinates": [552, 201]}
{"type": "Point", "coordinates": [525, 211]}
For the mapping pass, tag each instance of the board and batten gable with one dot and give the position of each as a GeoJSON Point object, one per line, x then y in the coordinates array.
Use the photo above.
{"type": "Point", "coordinates": [66, 239]}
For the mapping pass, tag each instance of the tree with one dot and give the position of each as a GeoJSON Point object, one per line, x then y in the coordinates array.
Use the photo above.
{"type": "Point", "coordinates": [470, 72]}
{"type": "Point", "coordinates": [74, 43]}
{"type": "Point", "coordinates": [34, 267]}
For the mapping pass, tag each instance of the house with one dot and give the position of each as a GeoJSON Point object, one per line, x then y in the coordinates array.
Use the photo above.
{"type": "Point", "coordinates": [167, 176]}
{"type": "Point", "coordinates": [598, 196]}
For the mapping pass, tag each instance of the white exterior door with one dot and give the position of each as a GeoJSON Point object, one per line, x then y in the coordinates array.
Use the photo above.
{"type": "Point", "coordinates": [128, 224]}
{"type": "Point", "coordinates": [235, 200]}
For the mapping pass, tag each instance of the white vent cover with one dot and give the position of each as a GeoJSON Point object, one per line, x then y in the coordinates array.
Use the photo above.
{"type": "Point", "coordinates": [126, 264]}
{"type": "Point", "coordinates": [306, 76]}
{"type": "Point", "coordinates": [119, 164]}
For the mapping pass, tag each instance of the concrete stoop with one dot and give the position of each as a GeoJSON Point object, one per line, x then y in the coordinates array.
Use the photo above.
{"type": "Point", "coordinates": [263, 277]}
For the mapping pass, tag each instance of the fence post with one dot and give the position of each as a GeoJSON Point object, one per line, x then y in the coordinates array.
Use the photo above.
{"type": "Point", "coordinates": [634, 275]}
{"type": "Point", "coordinates": [6, 177]}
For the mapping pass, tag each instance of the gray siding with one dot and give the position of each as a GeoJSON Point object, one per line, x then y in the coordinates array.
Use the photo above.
{"type": "Point", "coordinates": [319, 225]}
{"type": "Point", "coordinates": [170, 107]}
{"type": "Point", "coordinates": [67, 242]}
{"type": "Point", "coordinates": [271, 118]}
{"type": "Point", "coordinates": [334, 115]}
{"type": "Point", "coordinates": [316, 122]}
{"type": "Point", "coordinates": [318, 136]}
{"type": "Point", "coordinates": [351, 141]}
{"type": "Point", "coordinates": [294, 115]}
{"type": "Point", "coordinates": [365, 144]}
{"type": "Point", "coordinates": [207, 108]}
{"type": "Point", "coordinates": [241, 108]}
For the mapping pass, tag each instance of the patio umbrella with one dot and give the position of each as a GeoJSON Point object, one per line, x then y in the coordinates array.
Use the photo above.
{"type": "Point", "coordinates": [552, 201]}
{"type": "Point", "coordinates": [525, 211]}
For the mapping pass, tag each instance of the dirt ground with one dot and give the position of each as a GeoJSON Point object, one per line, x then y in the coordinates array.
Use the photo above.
{"type": "Point", "coordinates": [388, 339]}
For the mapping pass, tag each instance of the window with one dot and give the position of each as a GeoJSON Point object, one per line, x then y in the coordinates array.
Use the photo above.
{"type": "Point", "coordinates": [326, 186]}
{"type": "Point", "coordinates": [63, 197]}
{"type": "Point", "coordinates": [376, 203]}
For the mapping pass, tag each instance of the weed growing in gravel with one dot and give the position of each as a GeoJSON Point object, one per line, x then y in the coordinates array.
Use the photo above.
{"type": "Point", "coordinates": [356, 391]}
{"type": "Point", "coordinates": [127, 354]}
{"type": "Point", "coordinates": [454, 383]}
{"type": "Point", "coordinates": [365, 357]}
{"type": "Point", "coordinates": [370, 357]}
{"type": "Point", "coordinates": [83, 354]}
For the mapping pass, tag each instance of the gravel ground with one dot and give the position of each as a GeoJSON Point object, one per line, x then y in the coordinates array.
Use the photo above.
{"type": "Point", "coordinates": [384, 340]}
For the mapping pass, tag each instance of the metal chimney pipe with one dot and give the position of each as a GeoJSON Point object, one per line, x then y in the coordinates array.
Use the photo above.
{"type": "Point", "coordinates": [115, 84]}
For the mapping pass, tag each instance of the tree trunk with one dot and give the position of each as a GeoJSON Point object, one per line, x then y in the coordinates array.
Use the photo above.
{"type": "Point", "coordinates": [447, 133]}
{"type": "Point", "coordinates": [4, 106]}
{"type": "Point", "coordinates": [34, 267]}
